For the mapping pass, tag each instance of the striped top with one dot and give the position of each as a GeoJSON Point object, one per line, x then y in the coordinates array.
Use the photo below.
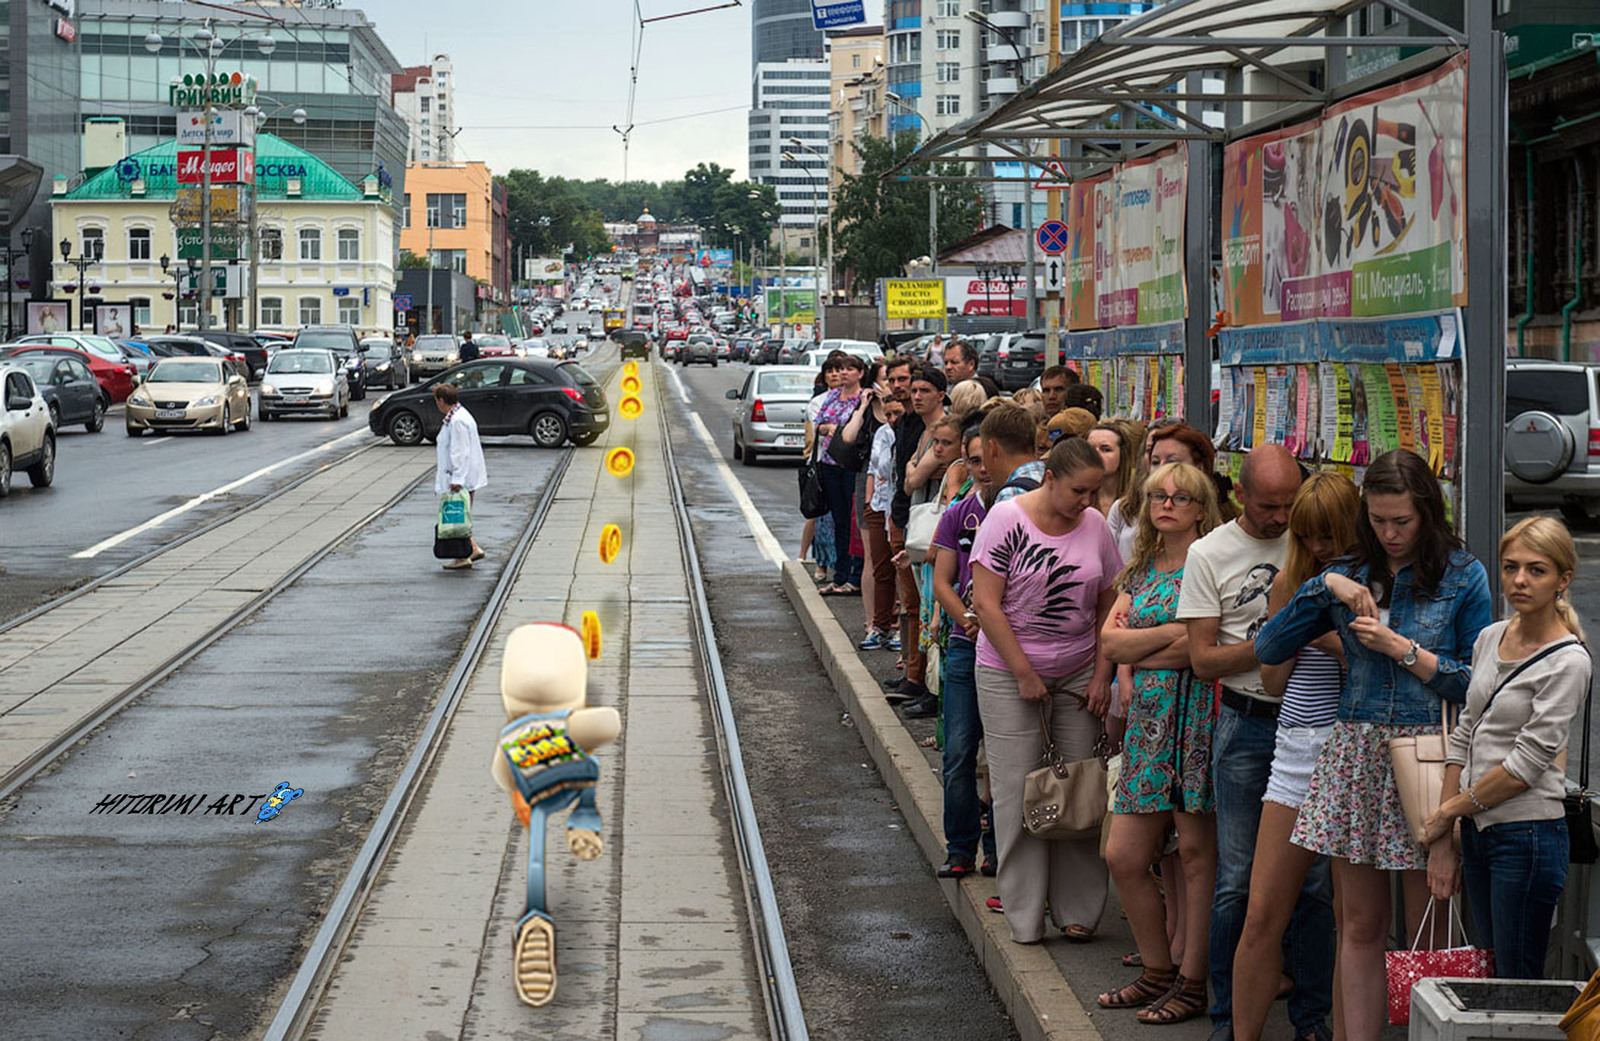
{"type": "Point", "coordinates": [1312, 697]}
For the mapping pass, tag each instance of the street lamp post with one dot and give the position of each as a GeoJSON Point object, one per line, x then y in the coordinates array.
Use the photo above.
{"type": "Point", "coordinates": [11, 276]}
{"type": "Point", "coordinates": [933, 187]}
{"type": "Point", "coordinates": [1027, 174]}
{"type": "Point", "coordinates": [253, 229]}
{"type": "Point", "coordinates": [83, 261]}
{"type": "Point", "coordinates": [177, 291]}
{"type": "Point", "coordinates": [798, 144]}
{"type": "Point", "coordinates": [819, 318]}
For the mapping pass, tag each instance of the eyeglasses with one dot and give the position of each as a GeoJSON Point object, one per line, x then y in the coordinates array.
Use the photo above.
{"type": "Point", "coordinates": [1178, 499]}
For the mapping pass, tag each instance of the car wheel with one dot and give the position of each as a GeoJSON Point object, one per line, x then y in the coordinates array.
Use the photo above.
{"type": "Point", "coordinates": [749, 457]}
{"type": "Point", "coordinates": [134, 431]}
{"type": "Point", "coordinates": [43, 472]}
{"type": "Point", "coordinates": [226, 427]}
{"type": "Point", "coordinates": [405, 428]}
{"type": "Point", "coordinates": [344, 409]}
{"type": "Point", "coordinates": [267, 417]}
{"type": "Point", "coordinates": [1538, 447]}
{"type": "Point", "coordinates": [1577, 514]}
{"type": "Point", "coordinates": [584, 440]}
{"type": "Point", "coordinates": [548, 430]}
{"type": "Point", "coordinates": [97, 421]}
{"type": "Point", "coordinates": [244, 422]}
{"type": "Point", "coordinates": [55, 416]}
{"type": "Point", "coordinates": [5, 469]}
{"type": "Point", "coordinates": [738, 449]}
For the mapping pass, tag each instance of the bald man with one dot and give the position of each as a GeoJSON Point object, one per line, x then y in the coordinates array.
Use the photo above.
{"type": "Point", "coordinates": [1223, 602]}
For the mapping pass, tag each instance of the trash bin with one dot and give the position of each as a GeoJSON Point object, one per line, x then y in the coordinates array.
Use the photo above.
{"type": "Point", "coordinates": [1470, 1010]}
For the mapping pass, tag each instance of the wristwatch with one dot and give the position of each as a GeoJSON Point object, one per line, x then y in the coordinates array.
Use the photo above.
{"type": "Point", "coordinates": [1409, 658]}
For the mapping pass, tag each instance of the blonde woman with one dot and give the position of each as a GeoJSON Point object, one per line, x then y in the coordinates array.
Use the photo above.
{"type": "Point", "coordinates": [1118, 441]}
{"type": "Point", "coordinates": [1530, 674]}
{"type": "Point", "coordinates": [1166, 766]}
{"type": "Point", "coordinates": [966, 398]}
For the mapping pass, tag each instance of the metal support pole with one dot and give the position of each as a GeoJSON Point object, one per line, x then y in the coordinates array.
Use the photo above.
{"type": "Point", "coordinates": [205, 191]}
{"type": "Point", "coordinates": [1197, 276]}
{"type": "Point", "coordinates": [933, 229]}
{"type": "Point", "coordinates": [427, 318]}
{"type": "Point", "coordinates": [1483, 335]}
{"type": "Point", "coordinates": [1032, 292]}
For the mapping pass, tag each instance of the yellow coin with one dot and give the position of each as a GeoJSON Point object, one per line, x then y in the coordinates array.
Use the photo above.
{"type": "Point", "coordinates": [631, 384]}
{"type": "Point", "coordinates": [630, 368]}
{"type": "Point", "coordinates": [610, 543]}
{"type": "Point", "coordinates": [591, 634]}
{"type": "Point", "coordinates": [630, 407]}
{"type": "Point", "coordinates": [620, 461]}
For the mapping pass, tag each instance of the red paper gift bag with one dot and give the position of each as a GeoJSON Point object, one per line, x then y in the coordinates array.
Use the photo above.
{"type": "Point", "coordinates": [1405, 969]}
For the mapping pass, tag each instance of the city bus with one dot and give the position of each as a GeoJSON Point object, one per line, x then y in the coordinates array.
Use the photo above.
{"type": "Point", "coordinates": [615, 318]}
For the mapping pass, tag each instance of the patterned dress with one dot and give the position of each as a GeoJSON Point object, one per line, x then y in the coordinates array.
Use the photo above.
{"type": "Point", "coordinates": [1166, 758]}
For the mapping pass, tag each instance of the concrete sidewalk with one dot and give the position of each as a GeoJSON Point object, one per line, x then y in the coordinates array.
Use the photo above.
{"type": "Point", "coordinates": [652, 938]}
{"type": "Point", "coordinates": [60, 668]}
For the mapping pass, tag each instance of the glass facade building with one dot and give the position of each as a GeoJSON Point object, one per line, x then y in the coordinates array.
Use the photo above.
{"type": "Point", "coordinates": [781, 30]}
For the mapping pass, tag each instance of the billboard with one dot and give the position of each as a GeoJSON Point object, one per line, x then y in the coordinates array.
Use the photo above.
{"type": "Point", "coordinates": [1124, 257]}
{"type": "Point", "coordinates": [226, 241]}
{"type": "Point", "coordinates": [113, 320]}
{"type": "Point", "coordinates": [1353, 214]}
{"type": "Point", "coordinates": [913, 297]}
{"type": "Point", "coordinates": [798, 305]}
{"type": "Point", "coordinates": [228, 166]}
{"type": "Point", "coordinates": [544, 269]}
{"type": "Point", "coordinates": [228, 203]}
{"type": "Point", "coordinates": [230, 128]}
{"type": "Point", "coordinates": [970, 295]}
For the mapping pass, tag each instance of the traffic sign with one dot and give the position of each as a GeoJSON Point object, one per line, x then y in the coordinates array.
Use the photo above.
{"type": "Point", "coordinates": [836, 14]}
{"type": "Point", "coordinates": [1058, 179]}
{"type": "Point", "coordinates": [1054, 268]}
{"type": "Point", "coordinates": [402, 302]}
{"type": "Point", "coordinates": [1052, 237]}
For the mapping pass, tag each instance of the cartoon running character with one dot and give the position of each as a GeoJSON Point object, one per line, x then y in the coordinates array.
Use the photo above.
{"type": "Point", "coordinates": [544, 759]}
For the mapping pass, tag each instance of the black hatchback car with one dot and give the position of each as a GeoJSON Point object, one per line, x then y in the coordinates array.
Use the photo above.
{"type": "Point", "coordinates": [551, 401]}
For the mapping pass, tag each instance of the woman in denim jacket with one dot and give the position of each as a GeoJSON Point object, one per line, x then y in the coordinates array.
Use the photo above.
{"type": "Point", "coordinates": [1408, 606]}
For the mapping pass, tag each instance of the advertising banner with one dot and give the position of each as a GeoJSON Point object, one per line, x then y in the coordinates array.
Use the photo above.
{"type": "Point", "coordinates": [1125, 263]}
{"type": "Point", "coordinates": [1355, 214]}
{"type": "Point", "coordinates": [226, 240]}
{"type": "Point", "coordinates": [229, 129]}
{"type": "Point", "coordinates": [46, 316]}
{"type": "Point", "coordinates": [798, 305]}
{"type": "Point", "coordinates": [544, 269]}
{"type": "Point", "coordinates": [228, 166]}
{"type": "Point", "coordinates": [715, 258]}
{"type": "Point", "coordinates": [113, 320]}
{"type": "Point", "coordinates": [228, 203]}
{"type": "Point", "coordinates": [968, 295]}
{"type": "Point", "coordinates": [914, 297]}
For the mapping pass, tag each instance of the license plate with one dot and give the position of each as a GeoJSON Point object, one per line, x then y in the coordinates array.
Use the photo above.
{"type": "Point", "coordinates": [1019, 365]}
{"type": "Point", "coordinates": [171, 413]}
{"type": "Point", "coordinates": [290, 396]}
{"type": "Point", "coordinates": [791, 440]}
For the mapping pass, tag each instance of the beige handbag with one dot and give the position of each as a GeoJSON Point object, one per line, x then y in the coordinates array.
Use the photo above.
{"type": "Point", "coordinates": [1063, 800]}
{"type": "Point", "coordinates": [1419, 772]}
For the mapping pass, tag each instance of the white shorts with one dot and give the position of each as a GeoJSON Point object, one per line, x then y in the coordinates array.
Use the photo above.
{"type": "Point", "coordinates": [1293, 760]}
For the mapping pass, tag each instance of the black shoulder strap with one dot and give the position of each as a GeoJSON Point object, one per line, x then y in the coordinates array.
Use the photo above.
{"type": "Point", "coordinates": [1027, 484]}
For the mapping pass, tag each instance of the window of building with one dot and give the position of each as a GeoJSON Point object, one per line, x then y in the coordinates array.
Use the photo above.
{"type": "Point", "coordinates": [140, 305]}
{"type": "Point", "coordinates": [1040, 35]}
{"type": "Point", "coordinates": [405, 211]}
{"type": "Point", "coordinates": [349, 244]}
{"type": "Point", "coordinates": [349, 310]}
{"type": "Point", "coordinates": [450, 259]}
{"type": "Point", "coordinates": [92, 237]}
{"type": "Point", "coordinates": [947, 40]}
{"type": "Point", "coordinates": [447, 210]}
{"type": "Point", "coordinates": [425, 102]}
{"type": "Point", "coordinates": [947, 72]}
{"type": "Point", "coordinates": [947, 105]}
{"type": "Point", "coordinates": [272, 311]}
{"type": "Point", "coordinates": [189, 315]}
{"type": "Point", "coordinates": [138, 243]}
{"type": "Point", "coordinates": [949, 8]}
{"type": "Point", "coordinates": [855, 61]}
{"type": "Point", "coordinates": [310, 310]}
{"type": "Point", "coordinates": [310, 244]}
{"type": "Point", "coordinates": [271, 244]}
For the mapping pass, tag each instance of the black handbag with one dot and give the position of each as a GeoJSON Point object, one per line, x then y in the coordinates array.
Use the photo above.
{"type": "Point", "coordinates": [813, 500]}
{"type": "Point", "coordinates": [451, 549]}
{"type": "Point", "coordinates": [1580, 829]}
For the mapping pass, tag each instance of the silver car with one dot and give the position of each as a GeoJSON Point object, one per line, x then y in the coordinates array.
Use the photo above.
{"type": "Point", "coordinates": [771, 418]}
{"type": "Point", "coordinates": [304, 379]}
{"type": "Point", "coordinates": [434, 353]}
{"type": "Point", "coordinates": [1552, 438]}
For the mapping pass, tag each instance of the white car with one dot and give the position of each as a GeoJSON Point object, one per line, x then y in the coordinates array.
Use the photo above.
{"type": "Point", "coordinates": [301, 380]}
{"type": "Point", "coordinates": [535, 348]}
{"type": "Point", "coordinates": [27, 437]}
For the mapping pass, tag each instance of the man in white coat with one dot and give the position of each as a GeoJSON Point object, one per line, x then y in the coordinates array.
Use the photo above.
{"type": "Point", "coordinates": [460, 456]}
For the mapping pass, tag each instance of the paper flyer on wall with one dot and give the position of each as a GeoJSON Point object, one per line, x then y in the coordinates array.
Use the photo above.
{"type": "Point", "coordinates": [1433, 427]}
{"type": "Point", "coordinates": [1405, 429]}
{"type": "Point", "coordinates": [1382, 425]}
{"type": "Point", "coordinates": [1223, 435]}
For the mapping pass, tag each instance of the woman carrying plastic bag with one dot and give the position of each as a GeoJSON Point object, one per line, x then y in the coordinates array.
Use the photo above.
{"type": "Point", "coordinates": [460, 467]}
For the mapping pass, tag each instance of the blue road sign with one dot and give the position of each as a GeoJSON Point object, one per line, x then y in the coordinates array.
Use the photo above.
{"type": "Point", "coordinates": [836, 14]}
{"type": "Point", "coordinates": [1052, 237]}
{"type": "Point", "coordinates": [402, 301]}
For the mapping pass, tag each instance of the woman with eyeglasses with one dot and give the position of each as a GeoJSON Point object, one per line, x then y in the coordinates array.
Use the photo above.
{"type": "Point", "coordinates": [1166, 757]}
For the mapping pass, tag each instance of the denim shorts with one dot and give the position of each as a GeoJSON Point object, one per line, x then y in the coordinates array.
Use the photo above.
{"type": "Point", "coordinates": [1293, 760]}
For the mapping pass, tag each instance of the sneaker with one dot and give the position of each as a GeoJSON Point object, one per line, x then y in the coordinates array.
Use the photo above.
{"type": "Point", "coordinates": [873, 641]}
{"type": "Point", "coordinates": [955, 867]}
{"type": "Point", "coordinates": [893, 686]}
{"type": "Point", "coordinates": [893, 643]}
{"type": "Point", "coordinates": [922, 707]}
{"type": "Point", "coordinates": [990, 867]}
{"type": "Point", "coordinates": [907, 691]}
{"type": "Point", "coordinates": [994, 904]}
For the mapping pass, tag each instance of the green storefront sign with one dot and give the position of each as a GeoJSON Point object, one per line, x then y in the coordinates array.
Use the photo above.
{"type": "Point", "coordinates": [224, 89]}
{"type": "Point", "coordinates": [226, 240]}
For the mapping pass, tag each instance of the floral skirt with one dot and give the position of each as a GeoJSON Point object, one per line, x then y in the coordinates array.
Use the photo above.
{"type": "Point", "coordinates": [1352, 808]}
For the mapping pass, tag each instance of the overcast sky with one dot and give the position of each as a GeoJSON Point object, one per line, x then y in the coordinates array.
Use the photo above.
{"type": "Point", "coordinates": [522, 68]}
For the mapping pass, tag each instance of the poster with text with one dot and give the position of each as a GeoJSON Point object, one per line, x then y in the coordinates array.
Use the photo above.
{"type": "Point", "coordinates": [1125, 262]}
{"type": "Point", "coordinates": [1081, 256]}
{"type": "Point", "coordinates": [1358, 213]}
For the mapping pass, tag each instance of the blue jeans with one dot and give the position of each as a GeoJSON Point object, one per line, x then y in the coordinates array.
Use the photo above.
{"type": "Point", "coordinates": [1241, 762]}
{"type": "Point", "coordinates": [839, 485]}
{"type": "Point", "coordinates": [962, 732]}
{"type": "Point", "coordinates": [1513, 874]}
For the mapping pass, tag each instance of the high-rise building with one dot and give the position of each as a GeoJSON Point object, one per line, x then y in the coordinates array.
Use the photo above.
{"type": "Point", "coordinates": [791, 102]}
{"type": "Point", "coordinates": [781, 30]}
{"type": "Point", "coordinates": [857, 102]}
{"type": "Point", "coordinates": [424, 96]}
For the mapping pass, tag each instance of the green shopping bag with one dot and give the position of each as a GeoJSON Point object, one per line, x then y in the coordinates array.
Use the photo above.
{"type": "Point", "coordinates": [455, 516]}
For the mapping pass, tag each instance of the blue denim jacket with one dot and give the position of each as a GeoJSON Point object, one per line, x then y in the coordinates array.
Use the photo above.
{"type": "Point", "coordinates": [1378, 689]}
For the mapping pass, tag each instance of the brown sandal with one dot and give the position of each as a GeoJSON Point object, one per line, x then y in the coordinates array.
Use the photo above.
{"type": "Point", "coordinates": [1184, 1001]}
{"type": "Point", "coordinates": [1152, 985]}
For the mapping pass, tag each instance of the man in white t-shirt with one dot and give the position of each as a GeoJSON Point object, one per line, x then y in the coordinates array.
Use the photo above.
{"type": "Point", "coordinates": [1224, 603]}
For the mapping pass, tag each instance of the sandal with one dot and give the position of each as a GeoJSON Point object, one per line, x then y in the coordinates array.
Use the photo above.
{"type": "Point", "coordinates": [1133, 961]}
{"type": "Point", "coordinates": [1077, 933]}
{"type": "Point", "coordinates": [1152, 986]}
{"type": "Point", "coordinates": [1186, 1000]}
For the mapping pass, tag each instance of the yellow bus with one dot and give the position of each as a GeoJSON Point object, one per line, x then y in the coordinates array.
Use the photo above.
{"type": "Point", "coordinates": [615, 318]}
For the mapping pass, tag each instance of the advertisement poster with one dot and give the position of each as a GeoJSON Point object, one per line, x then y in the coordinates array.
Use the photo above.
{"type": "Point", "coordinates": [114, 320]}
{"type": "Point", "coordinates": [46, 316]}
{"type": "Point", "coordinates": [1125, 262]}
{"type": "Point", "coordinates": [913, 297]}
{"type": "Point", "coordinates": [1355, 214]}
{"type": "Point", "coordinates": [1082, 256]}
{"type": "Point", "coordinates": [965, 294]}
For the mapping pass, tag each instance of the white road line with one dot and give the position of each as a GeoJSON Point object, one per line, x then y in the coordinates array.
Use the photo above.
{"type": "Point", "coordinates": [769, 546]}
{"type": "Point", "coordinates": [158, 440]}
{"type": "Point", "coordinates": [199, 500]}
{"type": "Point", "coordinates": [683, 392]}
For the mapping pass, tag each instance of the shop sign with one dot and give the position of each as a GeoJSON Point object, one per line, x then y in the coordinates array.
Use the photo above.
{"type": "Point", "coordinates": [229, 129]}
{"type": "Point", "coordinates": [225, 242]}
{"type": "Point", "coordinates": [197, 90]}
{"type": "Point", "coordinates": [228, 166]}
{"type": "Point", "coordinates": [228, 203]}
{"type": "Point", "coordinates": [66, 30]}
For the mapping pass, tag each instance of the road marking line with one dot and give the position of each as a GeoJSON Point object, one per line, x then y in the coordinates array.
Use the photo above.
{"type": "Point", "coordinates": [769, 546]}
{"type": "Point", "coordinates": [683, 394]}
{"type": "Point", "coordinates": [158, 440]}
{"type": "Point", "coordinates": [205, 497]}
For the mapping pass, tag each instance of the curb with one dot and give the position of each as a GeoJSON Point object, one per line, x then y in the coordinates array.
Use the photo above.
{"type": "Point", "coordinates": [1026, 977]}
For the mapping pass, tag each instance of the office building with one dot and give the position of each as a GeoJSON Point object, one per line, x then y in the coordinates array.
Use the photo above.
{"type": "Point", "coordinates": [781, 30]}
{"type": "Point", "coordinates": [455, 213]}
{"type": "Point", "coordinates": [424, 96]}
{"type": "Point", "coordinates": [792, 101]}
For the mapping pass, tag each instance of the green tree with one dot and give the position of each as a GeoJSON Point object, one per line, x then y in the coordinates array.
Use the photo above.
{"type": "Point", "coordinates": [880, 223]}
{"type": "Point", "coordinates": [549, 216]}
{"type": "Point", "coordinates": [409, 260]}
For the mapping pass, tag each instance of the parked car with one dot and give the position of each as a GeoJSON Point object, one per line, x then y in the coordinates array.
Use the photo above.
{"type": "Point", "coordinates": [304, 379]}
{"type": "Point", "coordinates": [698, 348]}
{"type": "Point", "coordinates": [867, 352]}
{"type": "Point", "coordinates": [27, 437]}
{"type": "Point", "coordinates": [771, 417]}
{"type": "Point", "coordinates": [1025, 359]}
{"type": "Point", "coordinates": [1552, 438]}
{"type": "Point", "coordinates": [386, 362]}
{"type": "Point", "coordinates": [114, 356]}
{"type": "Point", "coordinates": [183, 345]}
{"type": "Point", "coordinates": [248, 347]}
{"type": "Point", "coordinates": [115, 379]}
{"type": "Point", "coordinates": [494, 345]}
{"type": "Point", "coordinates": [71, 392]}
{"type": "Point", "coordinates": [340, 339]}
{"type": "Point", "coordinates": [190, 394]}
{"type": "Point", "coordinates": [552, 402]}
{"type": "Point", "coordinates": [988, 347]}
{"type": "Point", "coordinates": [434, 353]}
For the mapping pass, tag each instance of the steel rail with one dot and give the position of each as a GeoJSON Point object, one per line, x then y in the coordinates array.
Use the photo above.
{"type": "Point", "coordinates": [299, 1006]}
{"type": "Point", "coordinates": [785, 1015]}
{"type": "Point", "coordinates": [30, 767]}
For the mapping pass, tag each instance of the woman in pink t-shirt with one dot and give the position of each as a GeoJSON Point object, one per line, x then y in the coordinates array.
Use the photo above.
{"type": "Point", "coordinates": [1043, 571]}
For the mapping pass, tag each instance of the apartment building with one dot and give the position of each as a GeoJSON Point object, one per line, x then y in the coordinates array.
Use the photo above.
{"type": "Point", "coordinates": [424, 96]}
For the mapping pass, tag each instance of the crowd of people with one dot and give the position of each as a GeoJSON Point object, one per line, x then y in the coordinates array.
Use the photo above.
{"type": "Point", "coordinates": [1092, 584]}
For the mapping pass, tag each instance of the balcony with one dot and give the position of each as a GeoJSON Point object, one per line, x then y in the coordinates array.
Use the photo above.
{"type": "Point", "coordinates": [1002, 86]}
{"type": "Point", "coordinates": [1000, 51]}
{"type": "Point", "coordinates": [1009, 20]}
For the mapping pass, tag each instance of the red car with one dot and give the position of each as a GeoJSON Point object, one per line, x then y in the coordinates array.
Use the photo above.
{"type": "Point", "coordinates": [494, 345]}
{"type": "Point", "coordinates": [115, 379]}
{"type": "Point", "coordinates": [678, 332]}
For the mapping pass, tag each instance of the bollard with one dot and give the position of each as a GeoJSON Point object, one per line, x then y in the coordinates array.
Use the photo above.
{"type": "Point", "coordinates": [610, 543]}
{"type": "Point", "coordinates": [620, 461]}
{"type": "Point", "coordinates": [630, 368]}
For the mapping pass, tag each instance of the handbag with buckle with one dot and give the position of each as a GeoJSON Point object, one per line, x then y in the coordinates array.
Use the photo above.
{"type": "Point", "coordinates": [1061, 799]}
